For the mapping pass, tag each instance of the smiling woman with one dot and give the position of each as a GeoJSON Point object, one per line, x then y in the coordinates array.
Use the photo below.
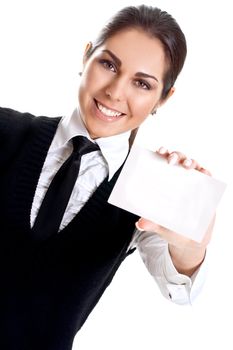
{"type": "Point", "coordinates": [120, 84]}
{"type": "Point", "coordinates": [52, 279]}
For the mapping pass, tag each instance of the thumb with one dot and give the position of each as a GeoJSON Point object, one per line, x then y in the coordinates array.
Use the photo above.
{"type": "Point", "coordinates": [145, 225]}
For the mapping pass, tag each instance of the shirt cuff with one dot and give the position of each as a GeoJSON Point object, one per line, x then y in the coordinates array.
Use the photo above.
{"type": "Point", "coordinates": [180, 288]}
{"type": "Point", "coordinates": [174, 286]}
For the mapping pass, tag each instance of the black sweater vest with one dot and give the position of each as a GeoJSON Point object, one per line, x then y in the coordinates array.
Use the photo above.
{"type": "Point", "coordinates": [49, 287]}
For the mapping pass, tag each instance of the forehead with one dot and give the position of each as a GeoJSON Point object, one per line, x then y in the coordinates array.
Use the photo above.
{"type": "Point", "coordinates": [138, 50]}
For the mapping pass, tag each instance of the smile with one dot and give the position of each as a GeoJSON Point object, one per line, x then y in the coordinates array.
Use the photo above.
{"type": "Point", "coordinates": [106, 111]}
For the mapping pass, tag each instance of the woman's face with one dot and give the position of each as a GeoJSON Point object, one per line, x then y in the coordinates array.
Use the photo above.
{"type": "Point", "coordinates": [121, 83]}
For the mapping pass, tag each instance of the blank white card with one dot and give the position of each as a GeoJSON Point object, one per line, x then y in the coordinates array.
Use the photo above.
{"type": "Point", "coordinates": [181, 200]}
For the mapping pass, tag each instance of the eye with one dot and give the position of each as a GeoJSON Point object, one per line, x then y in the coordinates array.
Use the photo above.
{"type": "Point", "coordinates": [142, 84]}
{"type": "Point", "coordinates": [108, 65]}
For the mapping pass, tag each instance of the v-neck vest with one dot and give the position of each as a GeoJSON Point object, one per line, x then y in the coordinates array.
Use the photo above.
{"type": "Point", "coordinates": [50, 286]}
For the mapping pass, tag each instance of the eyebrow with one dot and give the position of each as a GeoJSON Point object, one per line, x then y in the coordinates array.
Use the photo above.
{"type": "Point", "coordinates": [145, 75]}
{"type": "Point", "coordinates": [114, 57]}
{"type": "Point", "coordinates": [119, 63]}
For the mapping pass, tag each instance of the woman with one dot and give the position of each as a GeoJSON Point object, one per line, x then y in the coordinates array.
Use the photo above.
{"type": "Point", "coordinates": [53, 277]}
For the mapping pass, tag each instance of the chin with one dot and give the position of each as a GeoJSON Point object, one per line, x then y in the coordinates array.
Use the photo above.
{"type": "Point", "coordinates": [97, 133]}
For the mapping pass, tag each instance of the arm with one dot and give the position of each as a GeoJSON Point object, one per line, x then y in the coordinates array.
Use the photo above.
{"type": "Point", "coordinates": [186, 256]}
{"type": "Point", "coordinates": [189, 257]}
{"type": "Point", "coordinates": [175, 286]}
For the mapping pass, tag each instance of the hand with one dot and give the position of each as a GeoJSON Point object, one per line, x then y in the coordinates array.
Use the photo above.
{"type": "Point", "coordinates": [180, 158]}
{"type": "Point", "coordinates": [174, 238]}
{"type": "Point", "coordinates": [186, 254]}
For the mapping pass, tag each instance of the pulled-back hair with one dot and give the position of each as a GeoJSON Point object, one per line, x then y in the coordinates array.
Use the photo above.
{"type": "Point", "coordinates": [156, 23]}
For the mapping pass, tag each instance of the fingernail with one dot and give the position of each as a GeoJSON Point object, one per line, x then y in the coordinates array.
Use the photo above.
{"type": "Point", "coordinates": [172, 159]}
{"type": "Point", "coordinates": [187, 162]}
{"type": "Point", "coordinates": [162, 150]}
{"type": "Point", "coordinates": [138, 227]}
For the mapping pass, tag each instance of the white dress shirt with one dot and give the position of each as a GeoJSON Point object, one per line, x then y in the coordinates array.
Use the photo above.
{"type": "Point", "coordinates": [95, 166]}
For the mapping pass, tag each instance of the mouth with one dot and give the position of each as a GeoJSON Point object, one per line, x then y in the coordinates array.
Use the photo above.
{"type": "Point", "coordinates": [110, 114]}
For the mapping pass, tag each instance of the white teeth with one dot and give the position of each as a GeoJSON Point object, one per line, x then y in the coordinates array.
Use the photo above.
{"type": "Point", "coordinates": [108, 112]}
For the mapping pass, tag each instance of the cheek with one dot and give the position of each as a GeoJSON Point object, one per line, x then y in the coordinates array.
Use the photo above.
{"type": "Point", "coordinates": [86, 89]}
{"type": "Point", "coordinates": [143, 105]}
{"type": "Point", "coordinates": [93, 79]}
{"type": "Point", "coordinates": [86, 82]}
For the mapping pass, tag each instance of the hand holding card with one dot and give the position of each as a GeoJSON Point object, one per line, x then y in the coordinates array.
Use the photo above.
{"type": "Point", "coordinates": [180, 200]}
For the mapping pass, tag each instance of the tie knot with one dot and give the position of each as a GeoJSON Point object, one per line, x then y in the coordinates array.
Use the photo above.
{"type": "Point", "coordinates": [82, 145]}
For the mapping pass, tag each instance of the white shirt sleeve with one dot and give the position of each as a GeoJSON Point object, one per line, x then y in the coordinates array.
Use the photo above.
{"type": "Point", "coordinates": [177, 287]}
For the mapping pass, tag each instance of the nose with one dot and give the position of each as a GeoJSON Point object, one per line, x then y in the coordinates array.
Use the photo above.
{"type": "Point", "coordinates": [116, 90]}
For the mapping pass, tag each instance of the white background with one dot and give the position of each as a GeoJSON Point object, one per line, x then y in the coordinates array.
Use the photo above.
{"type": "Point", "coordinates": [41, 45]}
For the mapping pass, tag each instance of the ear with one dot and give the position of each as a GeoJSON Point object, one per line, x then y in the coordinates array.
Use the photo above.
{"type": "Point", "coordinates": [170, 93]}
{"type": "Point", "coordinates": [87, 49]}
{"type": "Point", "coordinates": [162, 101]}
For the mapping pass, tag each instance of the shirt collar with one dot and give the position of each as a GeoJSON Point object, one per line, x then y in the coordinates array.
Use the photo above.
{"type": "Point", "coordinates": [113, 148]}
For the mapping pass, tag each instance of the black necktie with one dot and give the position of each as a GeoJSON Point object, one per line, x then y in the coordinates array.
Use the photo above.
{"type": "Point", "coordinates": [54, 204]}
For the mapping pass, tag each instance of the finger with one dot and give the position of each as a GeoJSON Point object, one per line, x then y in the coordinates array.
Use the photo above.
{"type": "Point", "coordinates": [147, 225]}
{"type": "Point", "coordinates": [162, 151]}
{"type": "Point", "coordinates": [176, 158]}
{"type": "Point", "coordinates": [144, 225]}
{"type": "Point", "coordinates": [189, 163]}
{"type": "Point", "coordinates": [205, 171]}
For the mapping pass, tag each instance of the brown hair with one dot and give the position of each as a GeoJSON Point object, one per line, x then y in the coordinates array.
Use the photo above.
{"type": "Point", "coordinates": [156, 23]}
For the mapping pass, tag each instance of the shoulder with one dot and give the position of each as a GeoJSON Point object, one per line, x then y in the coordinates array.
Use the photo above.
{"type": "Point", "coordinates": [18, 127]}
{"type": "Point", "coordinates": [12, 121]}
{"type": "Point", "coordinates": [15, 122]}
{"type": "Point", "coordinates": [11, 113]}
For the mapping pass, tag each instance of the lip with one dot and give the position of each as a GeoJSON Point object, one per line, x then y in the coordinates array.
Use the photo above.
{"type": "Point", "coordinates": [100, 115]}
